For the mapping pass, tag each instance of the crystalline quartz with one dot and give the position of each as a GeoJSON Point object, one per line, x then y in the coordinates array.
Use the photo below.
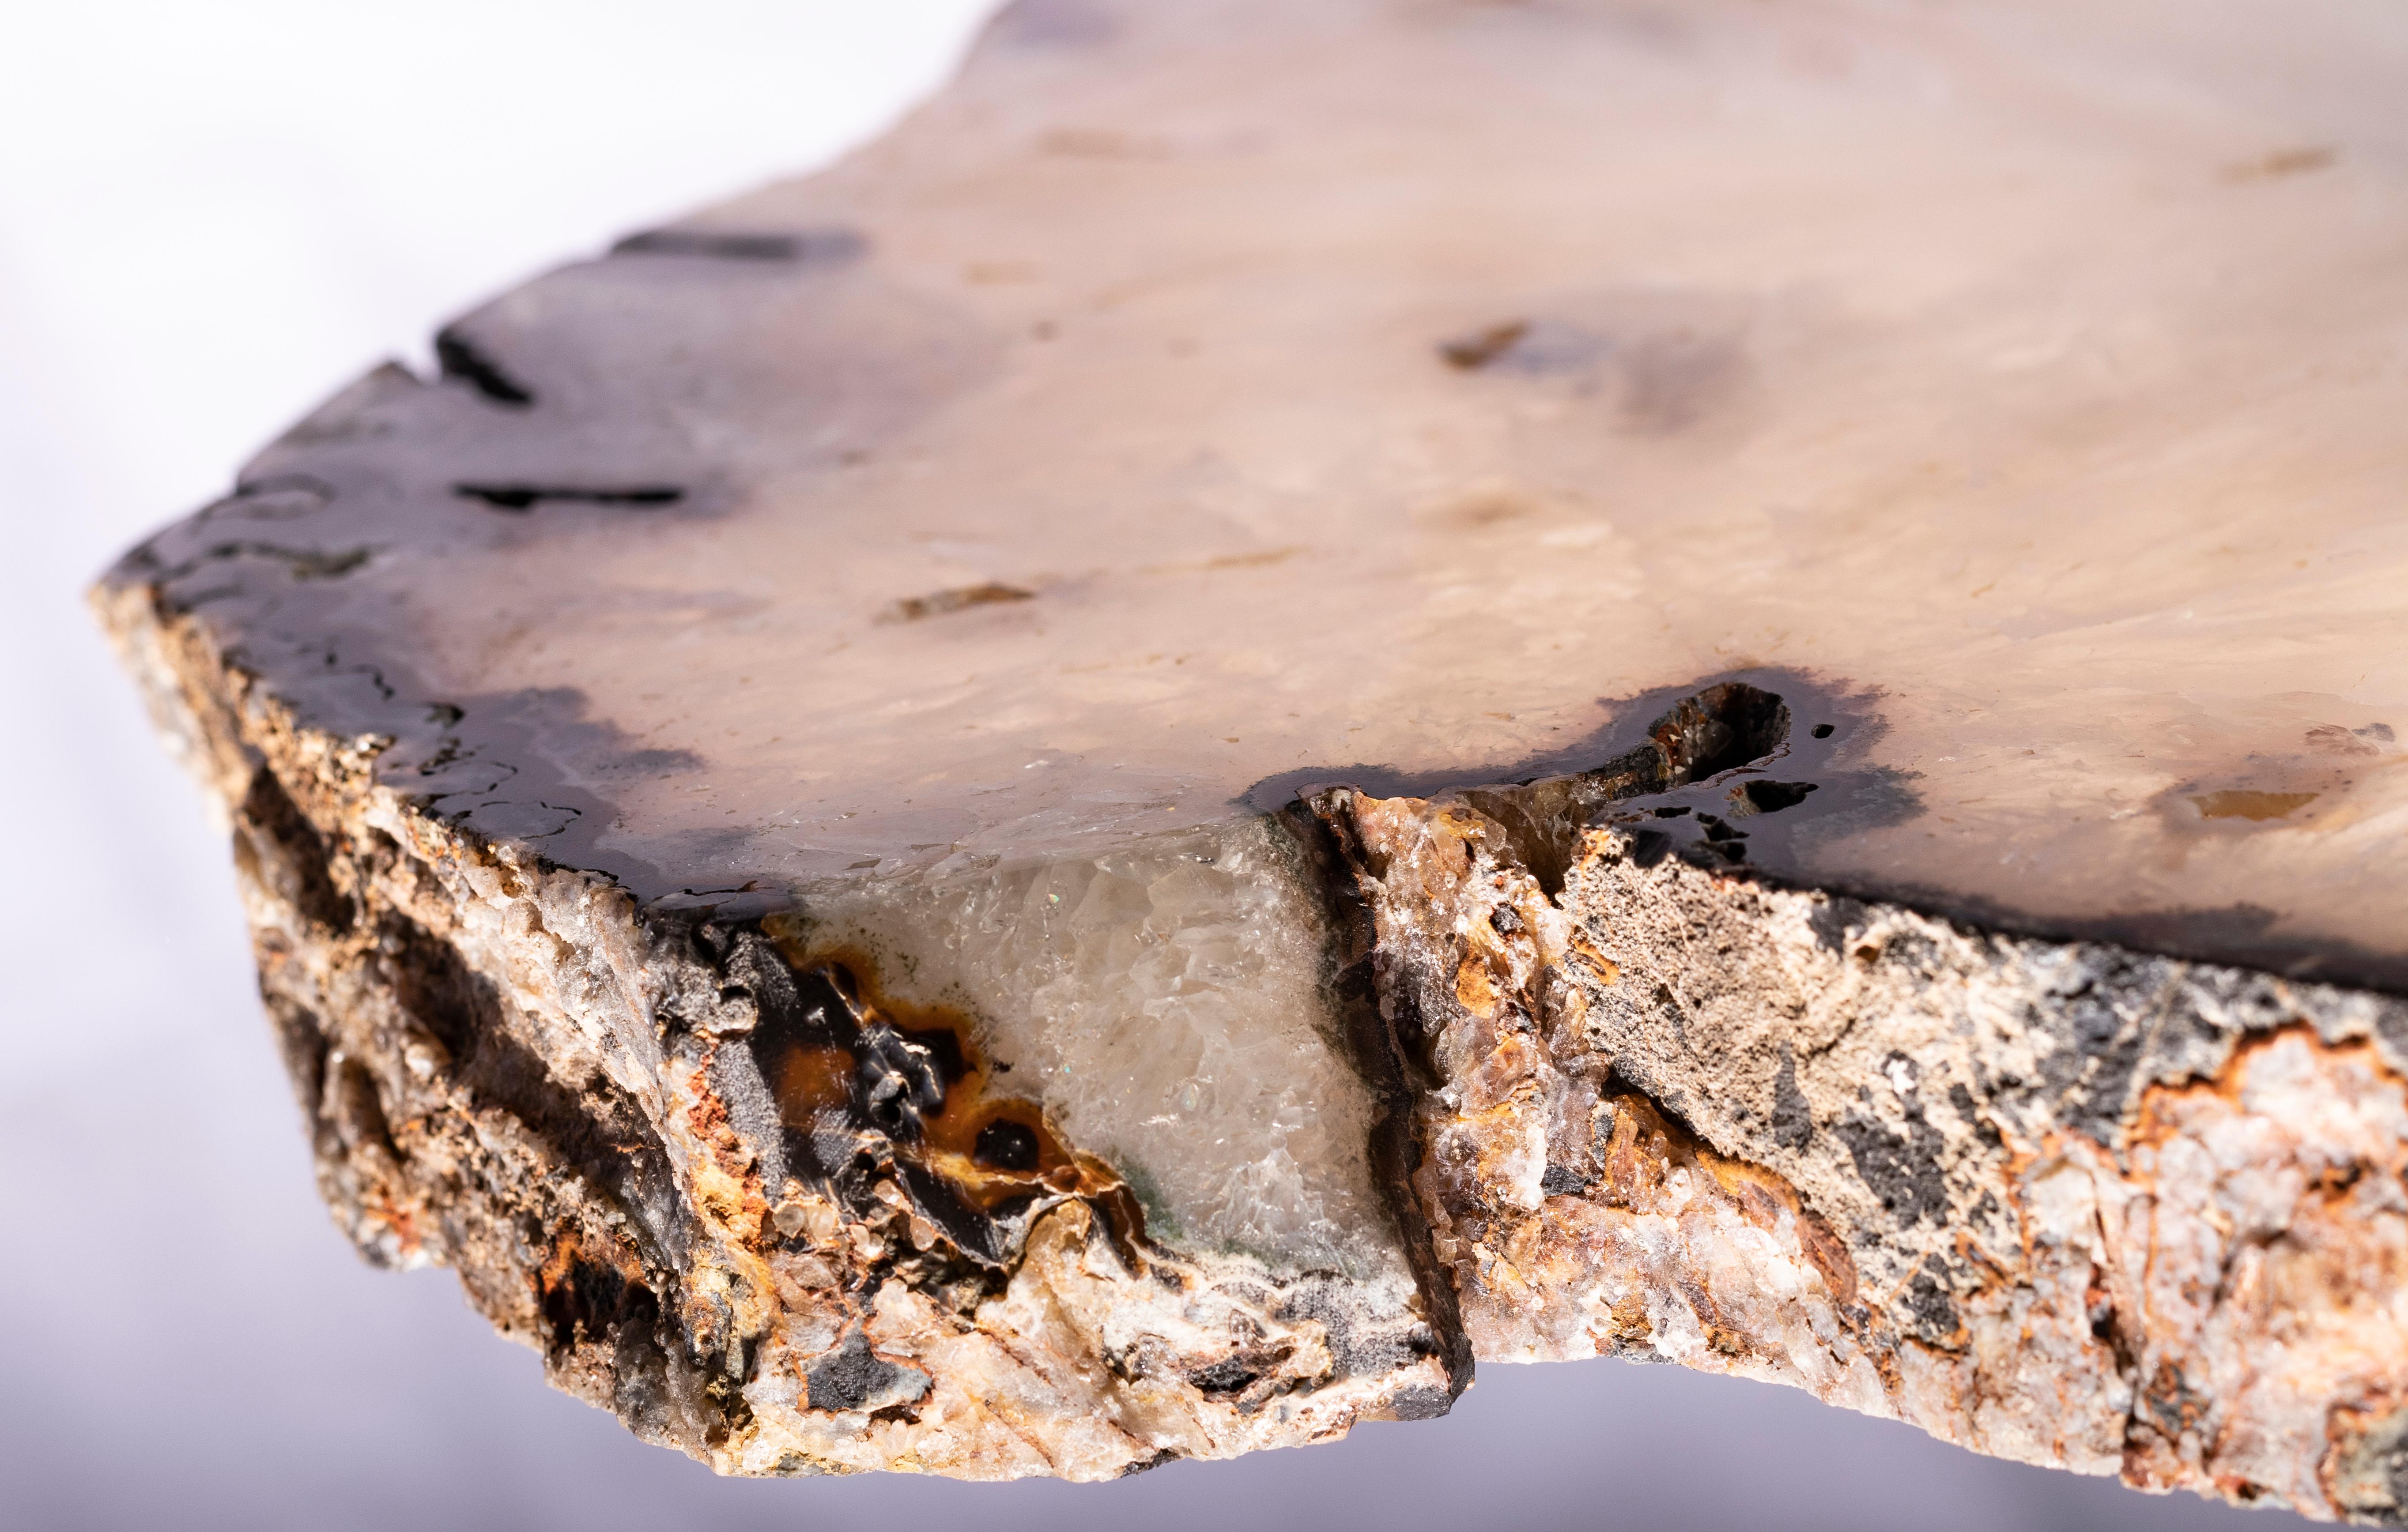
{"type": "Point", "coordinates": [1293, 692]}
{"type": "Point", "coordinates": [1166, 1006]}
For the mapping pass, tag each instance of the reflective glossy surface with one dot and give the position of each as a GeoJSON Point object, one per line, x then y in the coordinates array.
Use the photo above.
{"type": "Point", "coordinates": [1202, 401]}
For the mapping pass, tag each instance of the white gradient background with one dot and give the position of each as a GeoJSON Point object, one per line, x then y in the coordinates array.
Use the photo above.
{"type": "Point", "coordinates": [211, 215]}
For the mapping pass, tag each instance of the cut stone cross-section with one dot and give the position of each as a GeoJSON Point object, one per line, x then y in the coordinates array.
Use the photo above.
{"type": "Point", "coordinates": [1295, 694]}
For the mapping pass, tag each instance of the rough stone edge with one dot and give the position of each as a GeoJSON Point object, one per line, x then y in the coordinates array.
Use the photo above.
{"type": "Point", "coordinates": [1974, 1182]}
{"type": "Point", "coordinates": [506, 1068]}
{"type": "Point", "coordinates": [620, 1224]}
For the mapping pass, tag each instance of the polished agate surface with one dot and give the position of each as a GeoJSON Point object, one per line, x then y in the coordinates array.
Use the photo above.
{"type": "Point", "coordinates": [1203, 402]}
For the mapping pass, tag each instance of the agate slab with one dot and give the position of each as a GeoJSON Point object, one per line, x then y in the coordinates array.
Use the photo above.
{"type": "Point", "coordinates": [1294, 693]}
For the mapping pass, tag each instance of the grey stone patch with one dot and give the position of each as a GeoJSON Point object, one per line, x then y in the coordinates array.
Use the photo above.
{"type": "Point", "coordinates": [852, 1376]}
{"type": "Point", "coordinates": [1423, 1404]}
{"type": "Point", "coordinates": [752, 1111]}
{"type": "Point", "coordinates": [1901, 1168]}
{"type": "Point", "coordinates": [2370, 1475]}
{"type": "Point", "coordinates": [1793, 1117]}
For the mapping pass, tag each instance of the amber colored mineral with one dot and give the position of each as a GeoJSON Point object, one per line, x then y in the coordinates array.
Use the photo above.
{"type": "Point", "coordinates": [1298, 694]}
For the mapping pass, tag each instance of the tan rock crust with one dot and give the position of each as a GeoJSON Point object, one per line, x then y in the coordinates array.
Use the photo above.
{"type": "Point", "coordinates": [2061, 1203]}
{"type": "Point", "coordinates": [506, 1071]}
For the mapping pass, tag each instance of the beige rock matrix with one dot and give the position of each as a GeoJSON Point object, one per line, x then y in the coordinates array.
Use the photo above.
{"type": "Point", "coordinates": [1297, 697]}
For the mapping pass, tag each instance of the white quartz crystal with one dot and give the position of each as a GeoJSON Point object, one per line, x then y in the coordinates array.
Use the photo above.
{"type": "Point", "coordinates": [1165, 1004]}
